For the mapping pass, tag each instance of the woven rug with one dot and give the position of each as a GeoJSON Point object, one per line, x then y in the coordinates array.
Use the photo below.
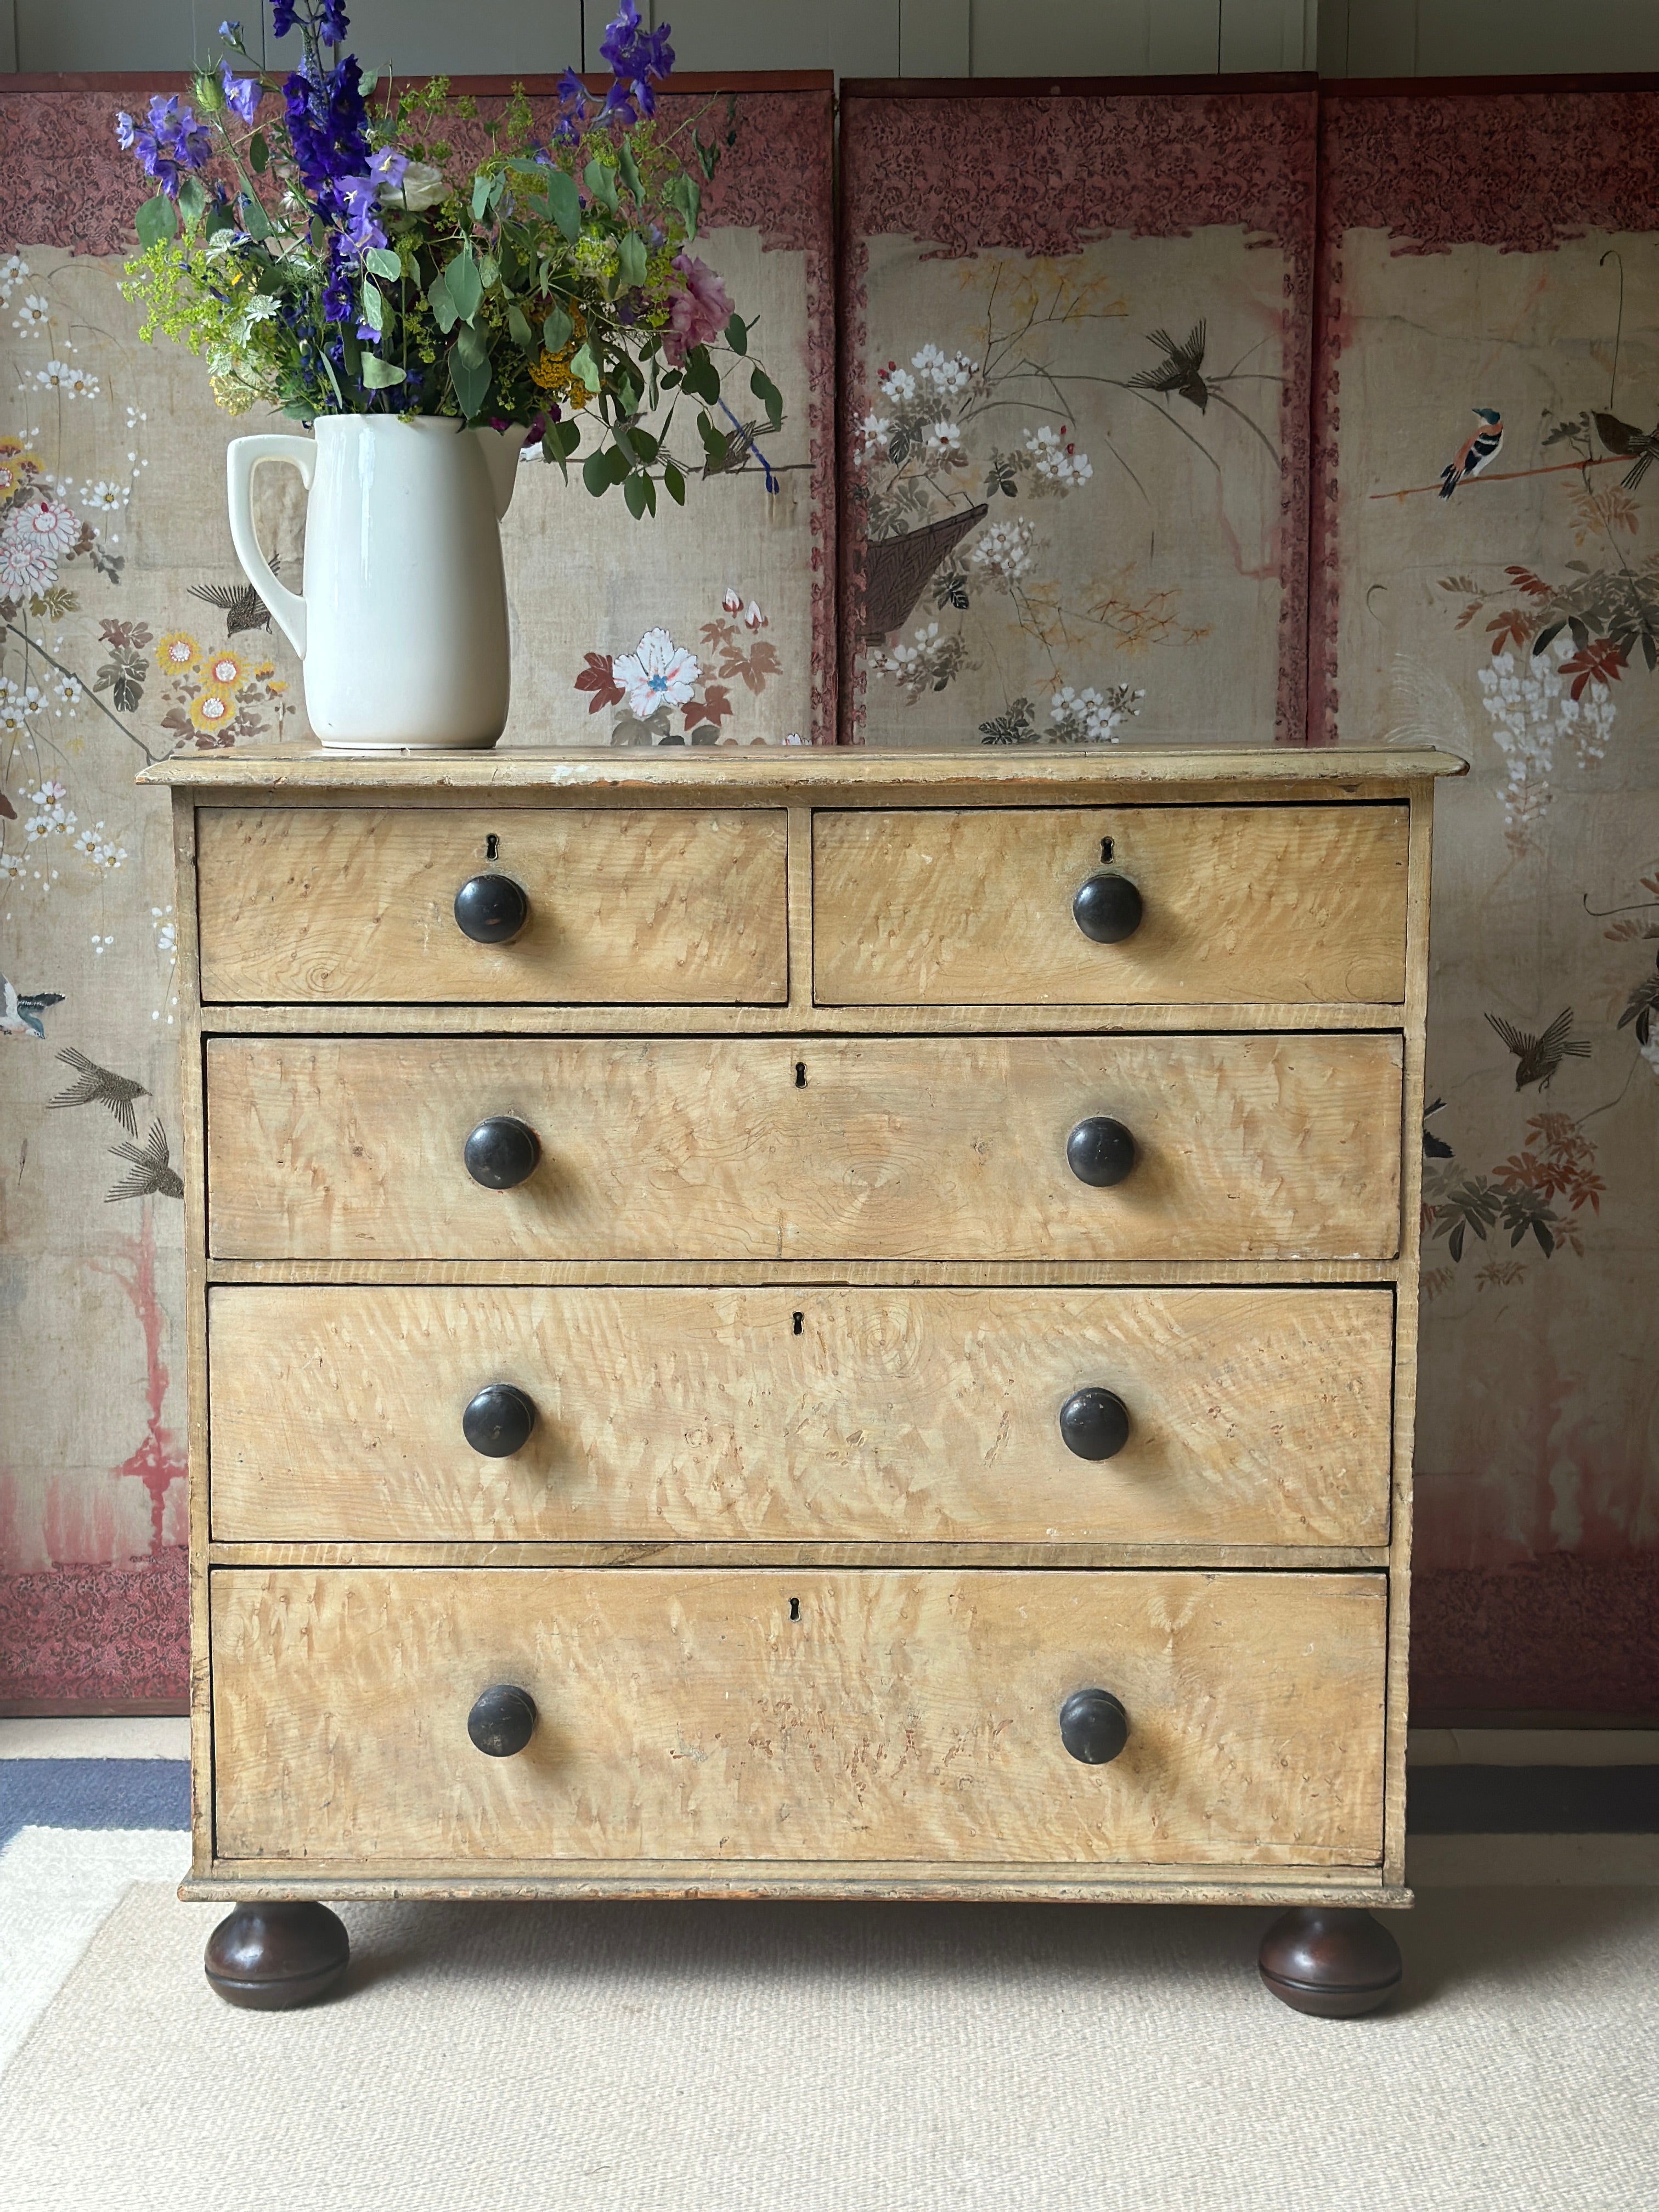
{"type": "Point", "coordinates": [716, 2058]}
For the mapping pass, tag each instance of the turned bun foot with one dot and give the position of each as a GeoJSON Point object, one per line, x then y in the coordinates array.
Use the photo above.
{"type": "Point", "coordinates": [1334, 1962]}
{"type": "Point", "coordinates": [273, 1957]}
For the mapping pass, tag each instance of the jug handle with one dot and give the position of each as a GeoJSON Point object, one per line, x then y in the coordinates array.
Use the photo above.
{"type": "Point", "coordinates": [242, 457]}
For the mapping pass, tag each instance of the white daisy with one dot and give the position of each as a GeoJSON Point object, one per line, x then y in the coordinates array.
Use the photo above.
{"type": "Point", "coordinates": [34, 314]}
{"type": "Point", "coordinates": [897, 384]}
{"type": "Point", "coordinates": [657, 673]}
{"type": "Point", "coordinates": [941, 440]}
{"type": "Point", "coordinates": [103, 497]}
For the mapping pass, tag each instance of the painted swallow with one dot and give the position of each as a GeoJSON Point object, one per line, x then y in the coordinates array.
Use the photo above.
{"type": "Point", "coordinates": [1434, 1148]}
{"type": "Point", "coordinates": [1481, 448]}
{"type": "Point", "coordinates": [239, 604]}
{"type": "Point", "coordinates": [1537, 1058]}
{"type": "Point", "coordinates": [1179, 371]}
{"type": "Point", "coordinates": [152, 1175]}
{"type": "Point", "coordinates": [100, 1086]}
{"type": "Point", "coordinates": [20, 1010]}
{"type": "Point", "coordinates": [1639, 447]}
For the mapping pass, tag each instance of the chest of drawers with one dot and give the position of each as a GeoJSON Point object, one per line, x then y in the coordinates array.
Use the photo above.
{"type": "Point", "coordinates": [800, 1324]}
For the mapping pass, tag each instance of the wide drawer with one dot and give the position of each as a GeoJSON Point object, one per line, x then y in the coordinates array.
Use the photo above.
{"type": "Point", "coordinates": [953, 1148]}
{"type": "Point", "coordinates": [1289, 905]}
{"type": "Point", "coordinates": [1255, 1416]}
{"type": "Point", "coordinates": [811, 1714]}
{"type": "Point", "coordinates": [633, 906]}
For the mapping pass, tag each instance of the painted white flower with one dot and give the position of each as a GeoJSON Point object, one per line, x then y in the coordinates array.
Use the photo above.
{"type": "Point", "coordinates": [732, 603]}
{"type": "Point", "coordinates": [657, 673]}
{"type": "Point", "coordinates": [167, 939]}
{"type": "Point", "coordinates": [13, 269]}
{"type": "Point", "coordinates": [10, 867]}
{"type": "Point", "coordinates": [1004, 550]}
{"type": "Point", "coordinates": [44, 523]}
{"type": "Point", "coordinates": [50, 792]}
{"type": "Point", "coordinates": [752, 616]}
{"type": "Point", "coordinates": [945, 373]}
{"type": "Point", "coordinates": [70, 690]}
{"type": "Point", "coordinates": [38, 829]}
{"type": "Point", "coordinates": [55, 375]}
{"type": "Point", "coordinates": [33, 313]}
{"type": "Point", "coordinates": [1056, 465]}
{"type": "Point", "coordinates": [1086, 717]}
{"type": "Point", "coordinates": [941, 439]}
{"type": "Point", "coordinates": [26, 566]}
{"type": "Point", "coordinates": [78, 385]}
{"type": "Point", "coordinates": [13, 719]}
{"type": "Point", "coordinates": [897, 384]}
{"type": "Point", "coordinates": [873, 433]}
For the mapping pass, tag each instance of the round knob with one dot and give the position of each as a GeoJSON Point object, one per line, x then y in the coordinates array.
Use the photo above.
{"type": "Point", "coordinates": [1093, 1726]}
{"type": "Point", "coordinates": [501, 1152]}
{"type": "Point", "coordinates": [493, 909]}
{"type": "Point", "coordinates": [502, 1719]}
{"type": "Point", "coordinates": [498, 1421]}
{"type": "Point", "coordinates": [1107, 908]}
{"type": "Point", "coordinates": [1094, 1423]}
{"type": "Point", "coordinates": [1100, 1151]}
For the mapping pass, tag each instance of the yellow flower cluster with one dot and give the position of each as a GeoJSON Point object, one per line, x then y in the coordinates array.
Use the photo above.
{"type": "Point", "coordinates": [220, 672]}
{"type": "Point", "coordinates": [550, 372]}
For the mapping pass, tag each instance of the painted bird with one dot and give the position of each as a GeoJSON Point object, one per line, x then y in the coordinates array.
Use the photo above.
{"type": "Point", "coordinates": [100, 1086]}
{"type": "Point", "coordinates": [1180, 369]}
{"type": "Point", "coordinates": [20, 1010]}
{"type": "Point", "coordinates": [1639, 447]}
{"type": "Point", "coordinates": [239, 604]}
{"type": "Point", "coordinates": [1481, 448]}
{"type": "Point", "coordinates": [1537, 1058]}
{"type": "Point", "coordinates": [152, 1173]}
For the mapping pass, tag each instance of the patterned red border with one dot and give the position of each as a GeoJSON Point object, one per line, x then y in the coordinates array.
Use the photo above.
{"type": "Point", "coordinates": [1563, 1634]}
{"type": "Point", "coordinates": [64, 182]}
{"type": "Point", "coordinates": [97, 1638]}
{"type": "Point", "coordinates": [1044, 174]}
{"type": "Point", "coordinates": [1434, 167]}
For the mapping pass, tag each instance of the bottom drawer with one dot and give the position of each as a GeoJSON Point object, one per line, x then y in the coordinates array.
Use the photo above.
{"type": "Point", "coordinates": [794, 1715]}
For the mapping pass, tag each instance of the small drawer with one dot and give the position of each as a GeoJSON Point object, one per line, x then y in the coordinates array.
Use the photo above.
{"type": "Point", "coordinates": [1257, 1147]}
{"type": "Point", "coordinates": [1230, 906]}
{"type": "Point", "coordinates": [1247, 1416]}
{"type": "Point", "coordinates": [646, 906]}
{"type": "Point", "coordinates": [839, 1716]}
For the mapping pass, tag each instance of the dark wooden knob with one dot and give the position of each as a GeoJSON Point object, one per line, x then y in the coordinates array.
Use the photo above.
{"type": "Point", "coordinates": [1107, 908]}
{"type": "Point", "coordinates": [1095, 1424]}
{"type": "Point", "coordinates": [502, 1719]}
{"type": "Point", "coordinates": [493, 909]}
{"type": "Point", "coordinates": [498, 1421]}
{"type": "Point", "coordinates": [501, 1152]}
{"type": "Point", "coordinates": [1093, 1726]}
{"type": "Point", "coordinates": [1100, 1151]}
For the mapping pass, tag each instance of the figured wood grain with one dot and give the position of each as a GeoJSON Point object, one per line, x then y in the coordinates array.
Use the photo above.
{"type": "Point", "coordinates": [799, 1717]}
{"type": "Point", "coordinates": [635, 904]}
{"type": "Point", "coordinates": [951, 1148]}
{"type": "Point", "coordinates": [1241, 904]}
{"type": "Point", "coordinates": [1356, 771]}
{"type": "Point", "coordinates": [902, 1881]}
{"type": "Point", "coordinates": [1257, 1417]}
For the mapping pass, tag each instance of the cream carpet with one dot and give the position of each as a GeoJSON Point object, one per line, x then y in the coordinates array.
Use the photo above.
{"type": "Point", "coordinates": [716, 2058]}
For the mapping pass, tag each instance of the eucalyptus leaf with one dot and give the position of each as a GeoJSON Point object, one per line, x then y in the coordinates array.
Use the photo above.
{"type": "Point", "coordinates": [193, 200]}
{"type": "Point", "coordinates": [768, 396]}
{"type": "Point", "coordinates": [254, 220]}
{"type": "Point", "coordinates": [596, 473]}
{"type": "Point", "coordinates": [444, 310]}
{"type": "Point", "coordinates": [557, 329]}
{"type": "Point", "coordinates": [714, 444]}
{"type": "Point", "coordinates": [382, 262]}
{"type": "Point", "coordinates": [600, 179]}
{"type": "Point", "coordinates": [674, 483]}
{"type": "Point", "coordinates": [737, 335]}
{"type": "Point", "coordinates": [702, 378]}
{"type": "Point", "coordinates": [520, 331]}
{"type": "Point", "coordinates": [380, 375]}
{"type": "Point", "coordinates": [630, 259]}
{"type": "Point", "coordinates": [373, 308]}
{"type": "Point", "coordinates": [490, 271]}
{"type": "Point", "coordinates": [584, 367]}
{"type": "Point", "coordinates": [157, 221]}
{"type": "Point", "coordinates": [470, 344]}
{"type": "Point", "coordinates": [259, 153]}
{"type": "Point", "coordinates": [640, 494]}
{"type": "Point", "coordinates": [466, 286]}
{"type": "Point", "coordinates": [628, 170]}
{"type": "Point", "coordinates": [469, 379]}
{"type": "Point", "coordinates": [565, 204]}
{"type": "Point", "coordinates": [481, 185]}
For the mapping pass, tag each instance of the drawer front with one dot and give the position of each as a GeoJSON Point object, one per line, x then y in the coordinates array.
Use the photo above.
{"type": "Point", "coordinates": [1254, 1416]}
{"type": "Point", "coordinates": [725, 1714]}
{"type": "Point", "coordinates": [1258, 1146]}
{"type": "Point", "coordinates": [1269, 905]}
{"type": "Point", "coordinates": [653, 906]}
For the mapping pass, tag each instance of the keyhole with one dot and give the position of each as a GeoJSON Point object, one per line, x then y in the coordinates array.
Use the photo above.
{"type": "Point", "coordinates": [1105, 849]}
{"type": "Point", "coordinates": [800, 1075]}
{"type": "Point", "coordinates": [799, 1319]}
{"type": "Point", "coordinates": [492, 847]}
{"type": "Point", "coordinates": [794, 1608]}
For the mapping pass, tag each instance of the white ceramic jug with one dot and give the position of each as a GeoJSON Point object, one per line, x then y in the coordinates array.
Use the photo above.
{"type": "Point", "coordinates": [403, 626]}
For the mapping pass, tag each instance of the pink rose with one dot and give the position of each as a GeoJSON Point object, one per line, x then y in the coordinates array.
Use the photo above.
{"type": "Point", "coordinates": [699, 313]}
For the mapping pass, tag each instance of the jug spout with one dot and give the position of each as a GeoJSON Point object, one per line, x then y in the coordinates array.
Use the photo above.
{"type": "Point", "coordinates": [500, 453]}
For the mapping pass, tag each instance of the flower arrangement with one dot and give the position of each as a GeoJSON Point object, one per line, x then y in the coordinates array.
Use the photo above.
{"type": "Point", "coordinates": [340, 259]}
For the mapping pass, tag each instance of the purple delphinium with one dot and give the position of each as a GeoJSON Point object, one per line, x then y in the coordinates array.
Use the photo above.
{"type": "Point", "coordinates": [171, 142]}
{"type": "Point", "coordinates": [362, 203]}
{"type": "Point", "coordinates": [320, 18]}
{"type": "Point", "coordinates": [638, 58]}
{"type": "Point", "coordinates": [328, 130]}
{"type": "Point", "coordinates": [242, 94]}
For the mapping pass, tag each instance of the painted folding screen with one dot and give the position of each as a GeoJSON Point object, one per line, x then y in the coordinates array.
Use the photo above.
{"type": "Point", "coordinates": [122, 609]}
{"type": "Point", "coordinates": [1075, 332]}
{"type": "Point", "coordinates": [1487, 577]}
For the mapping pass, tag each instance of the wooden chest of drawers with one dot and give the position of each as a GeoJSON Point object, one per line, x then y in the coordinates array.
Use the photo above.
{"type": "Point", "coordinates": [801, 1324]}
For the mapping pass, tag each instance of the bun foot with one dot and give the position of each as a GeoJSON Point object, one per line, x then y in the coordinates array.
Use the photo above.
{"type": "Point", "coordinates": [1334, 1962]}
{"type": "Point", "coordinates": [271, 1958]}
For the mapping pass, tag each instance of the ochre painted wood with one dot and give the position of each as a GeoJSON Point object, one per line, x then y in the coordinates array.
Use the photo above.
{"type": "Point", "coordinates": [1251, 1148]}
{"type": "Point", "coordinates": [973, 906]}
{"type": "Point", "coordinates": [1257, 1417]}
{"type": "Point", "coordinates": [640, 905]}
{"type": "Point", "coordinates": [905, 1882]}
{"type": "Point", "coordinates": [797, 1717]}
